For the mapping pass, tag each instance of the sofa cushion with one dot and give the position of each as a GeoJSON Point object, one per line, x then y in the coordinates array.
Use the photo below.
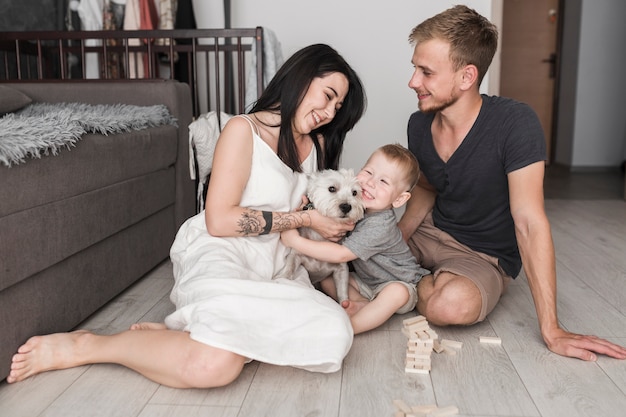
{"type": "Point", "coordinates": [97, 161]}
{"type": "Point", "coordinates": [57, 230]}
{"type": "Point", "coordinates": [12, 100]}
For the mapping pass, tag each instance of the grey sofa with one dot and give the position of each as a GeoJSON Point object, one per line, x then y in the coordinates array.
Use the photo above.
{"type": "Point", "coordinates": [78, 228]}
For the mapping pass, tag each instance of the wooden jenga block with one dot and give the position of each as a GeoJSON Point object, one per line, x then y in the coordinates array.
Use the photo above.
{"type": "Point", "coordinates": [449, 351]}
{"type": "Point", "coordinates": [452, 343]}
{"type": "Point", "coordinates": [492, 340]}
{"type": "Point", "coordinates": [413, 320]}
{"type": "Point", "coordinates": [401, 406]}
{"type": "Point", "coordinates": [432, 334]}
{"type": "Point", "coordinates": [417, 356]}
{"type": "Point", "coordinates": [412, 363]}
{"type": "Point", "coordinates": [423, 336]}
{"type": "Point", "coordinates": [437, 347]}
{"type": "Point", "coordinates": [418, 364]}
{"type": "Point", "coordinates": [420, 349]}
{"type": "Point", "coordinates": [419, 326]}
{"type": "Point", "coordinates": [424, 409]}
{"type": "Point", "coordinates": [445, 411]}
{"type": "Point", "coordinates": [420, 343]}
{"type": "Point", "coordinates": [425, 370]}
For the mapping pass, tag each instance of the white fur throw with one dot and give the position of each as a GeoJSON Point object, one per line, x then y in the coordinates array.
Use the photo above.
{"type": "Point", "coordinates": [44, 128]}
{"type": "Point", "coordinates": [203, 135]}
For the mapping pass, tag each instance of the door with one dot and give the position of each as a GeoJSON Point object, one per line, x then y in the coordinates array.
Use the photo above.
{"type": "Point", "coordinates": [529, 52]}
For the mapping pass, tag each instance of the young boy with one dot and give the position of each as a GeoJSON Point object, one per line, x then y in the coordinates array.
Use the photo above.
{"type": "Point", "coordinates": [386, 273]}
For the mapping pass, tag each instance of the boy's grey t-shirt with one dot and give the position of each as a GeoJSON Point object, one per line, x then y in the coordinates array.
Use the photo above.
{"type": "Point", "coordinates": [382, 254]}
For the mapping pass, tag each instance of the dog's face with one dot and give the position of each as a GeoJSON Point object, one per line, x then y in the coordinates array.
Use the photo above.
{"type": "Point", "coordinates": [336, 194]}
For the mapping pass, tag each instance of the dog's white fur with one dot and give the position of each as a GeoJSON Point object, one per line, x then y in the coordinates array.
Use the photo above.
{"type": "Point", "coordinates": [337, 194]}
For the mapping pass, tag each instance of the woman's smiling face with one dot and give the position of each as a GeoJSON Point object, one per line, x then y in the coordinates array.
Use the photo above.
{"type": "Point", "coordinates": [321, 102]}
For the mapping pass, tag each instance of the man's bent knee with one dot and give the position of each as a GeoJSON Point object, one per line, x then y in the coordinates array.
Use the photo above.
{"type": "Point", "coordinates": [455, 301]}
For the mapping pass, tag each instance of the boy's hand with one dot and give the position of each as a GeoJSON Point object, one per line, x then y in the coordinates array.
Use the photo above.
{"type": "Point", "coordinates": [288, 237]}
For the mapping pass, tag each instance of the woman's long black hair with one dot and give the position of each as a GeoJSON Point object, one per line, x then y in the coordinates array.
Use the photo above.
{"type": "Point", "coordinates": [285, 92]}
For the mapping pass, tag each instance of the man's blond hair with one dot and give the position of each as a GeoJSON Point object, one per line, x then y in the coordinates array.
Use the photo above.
{"type": "Point", "coordinates": [473, 38]}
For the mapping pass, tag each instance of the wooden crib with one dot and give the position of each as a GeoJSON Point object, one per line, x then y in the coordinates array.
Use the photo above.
{"type": "Point", "coordinates": [219, 65]}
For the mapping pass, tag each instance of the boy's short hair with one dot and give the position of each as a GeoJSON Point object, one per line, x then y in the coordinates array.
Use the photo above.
{"type": "Point", "coordinates": [405, 160]}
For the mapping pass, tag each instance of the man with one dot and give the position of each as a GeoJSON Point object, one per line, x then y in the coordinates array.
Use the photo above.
{"type": "Point", "coordinates": [477, 214]}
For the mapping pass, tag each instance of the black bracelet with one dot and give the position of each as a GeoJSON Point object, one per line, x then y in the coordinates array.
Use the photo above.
{"type": "Point", "coordinates": [267, 216]}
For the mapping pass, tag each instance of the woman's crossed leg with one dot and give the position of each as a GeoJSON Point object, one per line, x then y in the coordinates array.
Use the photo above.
{"type": "Point", "coordinates": [168, 357]}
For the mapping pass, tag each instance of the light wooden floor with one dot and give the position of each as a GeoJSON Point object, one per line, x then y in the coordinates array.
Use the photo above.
{"type": "Point", "coordinates": [519, 378]}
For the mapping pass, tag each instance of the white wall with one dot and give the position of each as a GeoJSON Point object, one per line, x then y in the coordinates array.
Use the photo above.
{"type": "Point", "coordinates": [591, 130]}
{"type": "Point", "coordinates": [373, 38]}
{"type": "Point", "coordinates": [599, 130]}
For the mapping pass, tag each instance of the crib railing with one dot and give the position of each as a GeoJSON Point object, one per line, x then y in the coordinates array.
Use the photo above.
{"type": "Point", "coordinates": [216, 63]}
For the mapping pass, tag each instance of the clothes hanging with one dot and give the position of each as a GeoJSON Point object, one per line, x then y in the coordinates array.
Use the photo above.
{"type": "Point", "coordinates": [140, 15]}
{"type": "Point", "coordinates": [90, 13]}
{"type": "Point", "coordinates": [113, 19]}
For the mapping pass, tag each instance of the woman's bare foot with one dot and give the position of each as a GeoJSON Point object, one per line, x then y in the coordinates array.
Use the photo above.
{"type": "Point", "coordinates": [146, 325]}
{"type": "Point", "coordinates": [46, 353]}
{"type": "Point", "coordinates": [352, 307]}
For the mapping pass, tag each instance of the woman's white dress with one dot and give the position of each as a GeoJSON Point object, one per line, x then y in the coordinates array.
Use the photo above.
{"type": "Point", "coordinates": [224, 290]}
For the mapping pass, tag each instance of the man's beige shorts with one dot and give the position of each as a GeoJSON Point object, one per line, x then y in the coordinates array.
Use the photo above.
{"type": "Point", "coordinates": [438, 251]}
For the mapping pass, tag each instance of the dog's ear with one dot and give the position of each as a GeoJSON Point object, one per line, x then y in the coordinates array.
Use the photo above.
{"type": "Point", "coordinates": [311, 175]}
{"type": "Point", "coordinates": [346, 172]}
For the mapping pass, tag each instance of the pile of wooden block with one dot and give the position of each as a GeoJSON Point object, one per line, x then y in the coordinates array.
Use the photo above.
{"type": "Point", "coordinates": [422, 341]}
{"type": "Point", "coordinates": [420, 345]}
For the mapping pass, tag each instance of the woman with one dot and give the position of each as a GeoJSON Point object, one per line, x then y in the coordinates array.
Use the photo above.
{"type": "Point", "coordinates": [229, 309]}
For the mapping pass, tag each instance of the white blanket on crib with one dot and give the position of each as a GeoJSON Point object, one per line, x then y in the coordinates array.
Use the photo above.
{"type": "Point", "coordinates": [203, 135]}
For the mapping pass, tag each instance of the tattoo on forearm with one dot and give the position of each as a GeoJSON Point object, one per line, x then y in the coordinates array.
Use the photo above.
{"type": "Point", "coordinates": [250, 223]}
{"type": "Point", "coordinates": [286, 221]}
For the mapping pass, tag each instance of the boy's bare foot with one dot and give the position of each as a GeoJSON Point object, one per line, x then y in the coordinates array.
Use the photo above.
{"type": "Point", "coordinates": [352, 307]}
{"type": "Point", "coordinates": [46, 353]}
{"type": "Point", "coordinates": [146, 325]}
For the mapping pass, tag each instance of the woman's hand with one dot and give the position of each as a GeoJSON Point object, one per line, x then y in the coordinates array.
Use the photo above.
{"type": "Point", "coordinates": [328, 227]}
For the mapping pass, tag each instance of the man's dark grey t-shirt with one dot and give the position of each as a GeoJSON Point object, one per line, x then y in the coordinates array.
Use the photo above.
{"type": "Point", "coordinates": [472, 201]}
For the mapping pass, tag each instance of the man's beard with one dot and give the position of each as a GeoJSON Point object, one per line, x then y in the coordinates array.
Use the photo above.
{"type": "Point", "coordinates": [437, 107]}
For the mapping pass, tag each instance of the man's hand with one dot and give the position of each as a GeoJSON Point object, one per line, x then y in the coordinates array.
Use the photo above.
{"type": "Point", "coordinates": [582, 347]}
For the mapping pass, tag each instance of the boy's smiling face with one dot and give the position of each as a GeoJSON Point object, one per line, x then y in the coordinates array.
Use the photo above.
{"type": "Point", "coordinates": [383, 184]}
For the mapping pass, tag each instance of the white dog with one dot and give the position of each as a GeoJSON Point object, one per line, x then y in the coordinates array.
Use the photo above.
{"type": "Point", "coordinates": [334, 194]}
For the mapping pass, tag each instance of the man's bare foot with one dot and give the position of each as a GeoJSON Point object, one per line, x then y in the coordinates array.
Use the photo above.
{"type": "Point", "coordinates": [46, 353]}
{"type": "Point", "coordinates": [352, 307]}
{"type": "Point", "coordinates": [146, 325]}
